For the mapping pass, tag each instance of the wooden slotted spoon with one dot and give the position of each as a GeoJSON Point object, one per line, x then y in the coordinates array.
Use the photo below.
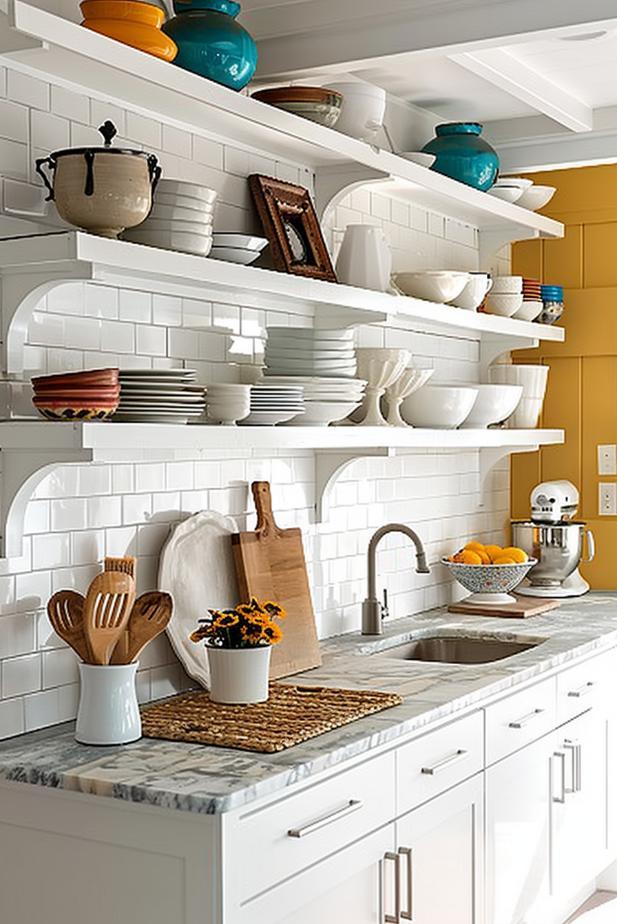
{"type": "Point", "coordinates": [150, 616]}
{"type": "Point", "coordinates": [66, 614]}
{"type": "Point", "coordinates": [108, 606]}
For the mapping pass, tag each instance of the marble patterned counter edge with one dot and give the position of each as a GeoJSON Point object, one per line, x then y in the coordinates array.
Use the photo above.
{"type": "Point", "coordinates": [207, 780]}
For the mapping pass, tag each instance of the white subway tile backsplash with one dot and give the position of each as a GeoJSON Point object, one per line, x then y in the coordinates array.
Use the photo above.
{"type": "Point", "coordinates": [12, 721]}
{"type": "Point", "coordinates": [48, 131]}
{"type": "Point", "coordinates": [176, 141]}
{"type": "Point", "coordinates": [21, 675]}
{"type": "Point", "coordinates": [27, 90]}
{"type": "Point", "coordinates": [167, 310]}
{"type": "Point", "coordinates": [144, 130]}
{"type": "Point", "coordinates": [14, 160]}
{"type": "Point", "coordinates": [51, 551]}
{"type": "Point", "coordinates": [135, 306]}
{"type": "Point", "coordinates": [13, 121]}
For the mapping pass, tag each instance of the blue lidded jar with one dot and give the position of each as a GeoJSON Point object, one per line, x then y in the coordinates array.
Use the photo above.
{"type": "Point", "coordinates": [463, 155]}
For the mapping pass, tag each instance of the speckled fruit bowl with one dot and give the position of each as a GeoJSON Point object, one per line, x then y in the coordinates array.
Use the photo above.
{"type": "Point", "coordinates": [489, 584]}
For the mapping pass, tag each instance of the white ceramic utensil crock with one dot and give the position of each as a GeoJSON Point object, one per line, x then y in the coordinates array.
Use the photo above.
{"type": "Point", "coordinates": [108, 710]}
{"type": "Point", "coordinates": [239, 675]}
{"type": "Point", "coordinates": [365, 259]}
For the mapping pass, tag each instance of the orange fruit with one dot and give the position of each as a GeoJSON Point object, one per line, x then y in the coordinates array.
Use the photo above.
{"type": "Point", "coordinates": [516, 554]}
{"type": "Point", "coordinates": [473, 547]}
{"type": "Point", "coordinates": [470, 557]}
{"type": "Point", "coordinates": [484, 557]}
{"type": "Point", "coordinates": [493, 551]}
{"type": "Point", "coordinates": [504, 560]}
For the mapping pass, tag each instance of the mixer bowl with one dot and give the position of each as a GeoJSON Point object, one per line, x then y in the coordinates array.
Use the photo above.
{"type": "Point", "coordinates": [557, 548]}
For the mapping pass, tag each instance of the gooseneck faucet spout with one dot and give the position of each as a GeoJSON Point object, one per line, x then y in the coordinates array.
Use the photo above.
{"type": "Point", "coordinates": [372, 610]}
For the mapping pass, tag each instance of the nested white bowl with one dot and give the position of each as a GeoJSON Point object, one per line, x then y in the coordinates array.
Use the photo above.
{"type": "Point", "coordinates": [189, 190]}
{"type": "Point", "coordinates": [323, 413]}
{"type": "Point", "coordinates": [243, 241]}
{"type": "Point", "coordinates": [507, 285]}
{"type": "Point", "coordinates": [419, 157]}
{"type": "Point", "coordinates": [310, 333]}
{"type": "Point", "coordinates": [441, 407]}
{"type": "Point", "coordinates": [167, 224]}
{"type": "Point", "coordinates": [181, 213]}
{"type": "Point", "coordinates": [529, 310]}
{"type": "Point", "coordinates": [434, 286]}
{"type": "Point", "coordinates": [503, 305]}
{"type": "Point", "coordinates": [171, 240]}
{"type": "Point", "coordinates": [519, 181]}
{"type": "Point", "coordinates": [506, 193]}
{"type": "Point", "coordinates": [494, 404]}
{"type": "Point", "coordinates": [536, 197]}
{"type": "Point", "coordinates": [234, 255]}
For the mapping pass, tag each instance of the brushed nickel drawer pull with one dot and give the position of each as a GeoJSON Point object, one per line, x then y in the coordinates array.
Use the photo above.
{"type": "Point", "coordinates": [585, 690]}
{"type": "Point", "coordinates": [446, 762]}
{"type": "Point", "coordinates": [575, 754]}
{"type": "Point", "coordinates": [396, 917]}
{"type": "Point", "coordinates": [352, 806]}
{"type": "Point", "coordinates": [562, 758]}
{"type": "Point", "coordinates": [526, 719]}
{"type": "Point", "coordinates": [408, 853]}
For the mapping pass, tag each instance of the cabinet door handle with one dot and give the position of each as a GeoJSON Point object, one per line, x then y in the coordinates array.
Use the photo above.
{"type": "Point", "coordinates": [562, 758]}
{"type": "Point", "coordinates": [396, 917]}
{"type": "Point", "coordinates": [575, 754]}
{"type": "Point", "coordinates": [352, 806]}
{"type": "Point", "coordinates": [585, 690]}
{"type": "Point", "coordinates": [446, 762]}
{"type": "Point", "coordinates": [407, 852]}
{"type": "Point", "coordinates": [525, 719]}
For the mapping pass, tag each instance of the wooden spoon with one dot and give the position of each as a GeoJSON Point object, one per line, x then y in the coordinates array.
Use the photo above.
{"type": "Point", "coordinates": [108, 605]}
{"type": "Point", "coordinates": [150, 616]}
{"type": "Point", "coordinates": [66, 614]}
{"type": "Point", "coordinates": [127, 564]}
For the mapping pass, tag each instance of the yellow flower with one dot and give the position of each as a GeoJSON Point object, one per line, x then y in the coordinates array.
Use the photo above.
{"type": "Point", "coordinates": [274, 610]}
{"type": "Point", "coordinates": [226, 620]}
{"type": "Point", "coordinates": [272, 633]}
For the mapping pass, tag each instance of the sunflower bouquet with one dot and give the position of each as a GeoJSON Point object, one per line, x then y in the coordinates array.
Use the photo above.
{"type": "Point", "coordinates": [247, 625]}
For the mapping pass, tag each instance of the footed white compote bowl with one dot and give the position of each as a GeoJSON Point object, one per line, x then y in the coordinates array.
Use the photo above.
{"type": "Point", "coordinates": [410, 380]}
{"type": "Point", "coordinates": [380, 367]}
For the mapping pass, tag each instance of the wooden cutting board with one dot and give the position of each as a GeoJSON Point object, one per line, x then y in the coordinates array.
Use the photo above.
{"type": "Point", "coordinates": [270, 565]}
{"type": "Point", "coordinates": [522, 609]}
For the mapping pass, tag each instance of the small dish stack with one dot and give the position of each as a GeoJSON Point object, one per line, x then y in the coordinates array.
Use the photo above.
{"type": "Point", "coordinates": [273, 404]}
{"type": "Point", "coordinates": [237, 248]}
{"type": "Point", "coordinates": [180, 219]}
{"type": "Point", "coordinates": [89, 395]}
{"type": "Point", "coordinates": [506, 296]}
{"type": "Point", "coordinates": [160, 396]}
{"type": "Point", "coordinates": [310, 352]}
{"type": "Point", "coordinates": [326, 400]}
{"type": "Point", "coordinates": [532, 300]}
{"type": "Point", "coordinates": [552, 304]}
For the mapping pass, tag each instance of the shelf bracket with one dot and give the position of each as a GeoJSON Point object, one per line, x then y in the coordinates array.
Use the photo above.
{"type": "Point", "coordinates": [21, 471]}
{"type": "Point", "coordinates": [492, 346]}
{"type": "Point", "coordinates": [489, 458]}
{"type": "Point", "coordinates": [329, 464]}
{"type": "Point", "coordinates": [492, 241]}
{"type": "Point", "coordinates": [333, 184]}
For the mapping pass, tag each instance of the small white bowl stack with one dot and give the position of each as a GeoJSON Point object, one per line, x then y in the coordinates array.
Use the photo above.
{"type": "Point", "coordinates": [180, 219]}
{"type": "Point", "coordinates": [506, 296]}
{"type": "Point", "coordinates": [274, 404]}
{"type": "Point", "coordinates": [159, 396]}
{"type": "Point", "coordinates": [237, 248]}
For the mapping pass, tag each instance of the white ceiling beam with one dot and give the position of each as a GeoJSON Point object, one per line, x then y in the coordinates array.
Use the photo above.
{"type": "Point", "coordinates": [502, 69]}
{"type": "Point", "coordinates": [312, 35]}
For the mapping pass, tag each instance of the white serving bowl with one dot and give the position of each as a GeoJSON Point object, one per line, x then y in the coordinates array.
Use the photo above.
{"type": "Point", "coordinates": [362, 110]}
{"type": "Point", "coordinates": [506, 193]}
{"type": "Point", "coordinates": [199, 244]}
{"type": "Point", "coordinates": [234, 255]}
{"type": "Point", "coordinates": [536, 197]}
{"type": "Point", "coordinates": [179, 213]}
{"type": "Point", "coordinates": [323, 413]}
{"type": "Point", "coordinates": [242, 241]}
{"type": "Point", "coordinates": [419, 157]}
{"type": "Point", "coordinates": [474, 292]}
{"type": "Point", "coordinates": [437, 286]}
{"type": "Point", "coordinates": [529, 311]}
{"type": "Point", "coordinates": [503, 305]}
{"type": "Point", "coordinates": [519, 181]}
{"type": "Point", "coordinates": [162, 200]}
{"type": "Point", "coordinates": [167, 187]}
{"type": "Point", "coordinates": [167, 224]}
{"type": "Point", "coordinates": [310, 333]}
{"type": "Point", "coordinates": [494, 404]}
{"type": "Point", "coordinates": [441, 407]}
{"type": "Point", "coordinates": [507, 285]}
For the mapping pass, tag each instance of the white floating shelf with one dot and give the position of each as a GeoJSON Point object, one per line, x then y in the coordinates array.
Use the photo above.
{"type": "Point", "coordinates": [25, 462]}
{"type": "Point", "coordinates": [60, 49]}
{"type": "Point", "coordinates": [31, 266]}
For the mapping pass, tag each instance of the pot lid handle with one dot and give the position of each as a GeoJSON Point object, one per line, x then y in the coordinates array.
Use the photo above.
{"type": "Point", "coordinates": [109, 131]}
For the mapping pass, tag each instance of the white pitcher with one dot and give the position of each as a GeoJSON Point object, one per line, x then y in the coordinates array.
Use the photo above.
{"type": "Point", "coordinates": [365, 259]}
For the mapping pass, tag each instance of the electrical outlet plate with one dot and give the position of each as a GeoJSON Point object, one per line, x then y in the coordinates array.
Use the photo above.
{"type": "Point", "coordinates": [607, 459]}
{"type": "Point", "coordinates": [607, 499]}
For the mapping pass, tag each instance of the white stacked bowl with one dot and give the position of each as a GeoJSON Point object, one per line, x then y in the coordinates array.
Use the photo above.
{"type": "Point", "coordinates": [226, 404]}
{"type": "Point", "coordinates": [309, 352]}
{"type": "Point", "coordinates": [275, 403]}
{"type": "Point", "coordinates": [534, 380]}
{"type": "Point", "coordinates": [326, 400]}
{"type": "Point", "coordinates": [237, 248]}
{"type": "Point", "coordinates": [506, 296]}
{"type": "Point", "coordinates": [181, 218]}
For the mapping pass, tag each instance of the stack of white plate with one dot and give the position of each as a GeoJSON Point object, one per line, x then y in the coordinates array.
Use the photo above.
{"type": "Point", "coordinates": [159, 396]}
{"type": "Point", "coordinates": [326, 400]}
{"type": "Point", "coordinates": [180, 219]}
{"type": "Point", "coordinates": [272, 404]}
{"type": "Point", "coordinates": [237, 248]}
{"type": "Point", "coordinates": [310, 352]}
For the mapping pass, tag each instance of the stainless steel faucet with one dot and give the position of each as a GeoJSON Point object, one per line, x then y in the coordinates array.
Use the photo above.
{"type": "Point", "coordinates": [373, 612]}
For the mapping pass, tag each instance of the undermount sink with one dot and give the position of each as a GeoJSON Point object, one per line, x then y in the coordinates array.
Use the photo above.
{"type": "Point", "coordinates": [459, 649]}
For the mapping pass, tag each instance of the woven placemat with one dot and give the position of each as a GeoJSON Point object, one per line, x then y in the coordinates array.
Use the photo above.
{"type": "Point", "coordinates": [291, 715]}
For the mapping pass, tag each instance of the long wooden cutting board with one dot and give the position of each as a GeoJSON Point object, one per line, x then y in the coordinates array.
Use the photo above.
{"type": "Point", "coordinates": [270, 565]}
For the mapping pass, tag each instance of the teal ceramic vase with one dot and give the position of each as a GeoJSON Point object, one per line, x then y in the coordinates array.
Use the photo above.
{"type": "Point", "coordinates": [211, 43]}
{"type": "Point", "coordinates": [463, 155]}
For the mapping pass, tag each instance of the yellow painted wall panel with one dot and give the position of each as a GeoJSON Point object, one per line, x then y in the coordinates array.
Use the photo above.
{"type": "Point", "coordinates": [562, 409]}
{"type": "Point", "coordinates": [527, 259]}
{"type": "Point", "coordinates": [525, 473]}
{"type": "Point", "coordinates": [600, 264]}
{"type": "Point", "coordinates": [563, 259]}
{"type": "Point", "coordinates": [599, 425]}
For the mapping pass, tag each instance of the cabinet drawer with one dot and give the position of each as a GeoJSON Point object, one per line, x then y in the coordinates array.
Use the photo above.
{"type": "Point", "coordinates": [585, 685]}
{"type": "Point", "coordinates": [431, 764]}
{"type": "Point", "coordinates": [269, 844]}
{"type": "Point", "coordinates": [518, 719]}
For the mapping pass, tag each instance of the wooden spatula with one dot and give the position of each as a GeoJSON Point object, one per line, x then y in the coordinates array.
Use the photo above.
{"type": "Point", "coordinates": [151, 614]}
{"type": "Point", "coordinates": [128, 565]}
{"type": "Point", "coordinates": [66, 614]}
{"type": "Point", "coordinates": [108, 605]}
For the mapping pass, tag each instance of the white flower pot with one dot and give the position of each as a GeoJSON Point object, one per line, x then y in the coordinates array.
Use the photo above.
{"type": "Point", "coordinates": [108, 709]}
{"type": "Point", "coordinates": [239, 675]}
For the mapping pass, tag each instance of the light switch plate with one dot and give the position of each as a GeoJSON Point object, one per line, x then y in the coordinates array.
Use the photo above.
{"type": "Point", "coordinates": [607, 459]}
{"type": "Point", "coordinates": [607, 499]}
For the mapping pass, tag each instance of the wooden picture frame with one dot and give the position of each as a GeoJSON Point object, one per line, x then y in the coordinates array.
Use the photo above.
{"type": "Point", "coordinates": [291, 225]}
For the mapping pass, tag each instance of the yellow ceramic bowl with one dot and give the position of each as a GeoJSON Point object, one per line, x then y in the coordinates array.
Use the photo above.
{"type": "Point", "coordinates": [131, 22]}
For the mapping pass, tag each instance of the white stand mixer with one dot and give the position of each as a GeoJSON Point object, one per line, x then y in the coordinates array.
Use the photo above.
{"type": "Point", "coordinates": [555, 540]}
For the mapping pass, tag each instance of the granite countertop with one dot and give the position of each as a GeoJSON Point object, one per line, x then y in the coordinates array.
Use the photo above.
{"type": "Point", "coordinates": [208, 780]}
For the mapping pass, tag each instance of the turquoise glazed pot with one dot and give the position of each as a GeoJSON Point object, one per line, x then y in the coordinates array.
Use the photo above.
{"type": "Point", "coordinates": [211, 43]}
{"type": "Point", "coordinates": [463, 155]}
